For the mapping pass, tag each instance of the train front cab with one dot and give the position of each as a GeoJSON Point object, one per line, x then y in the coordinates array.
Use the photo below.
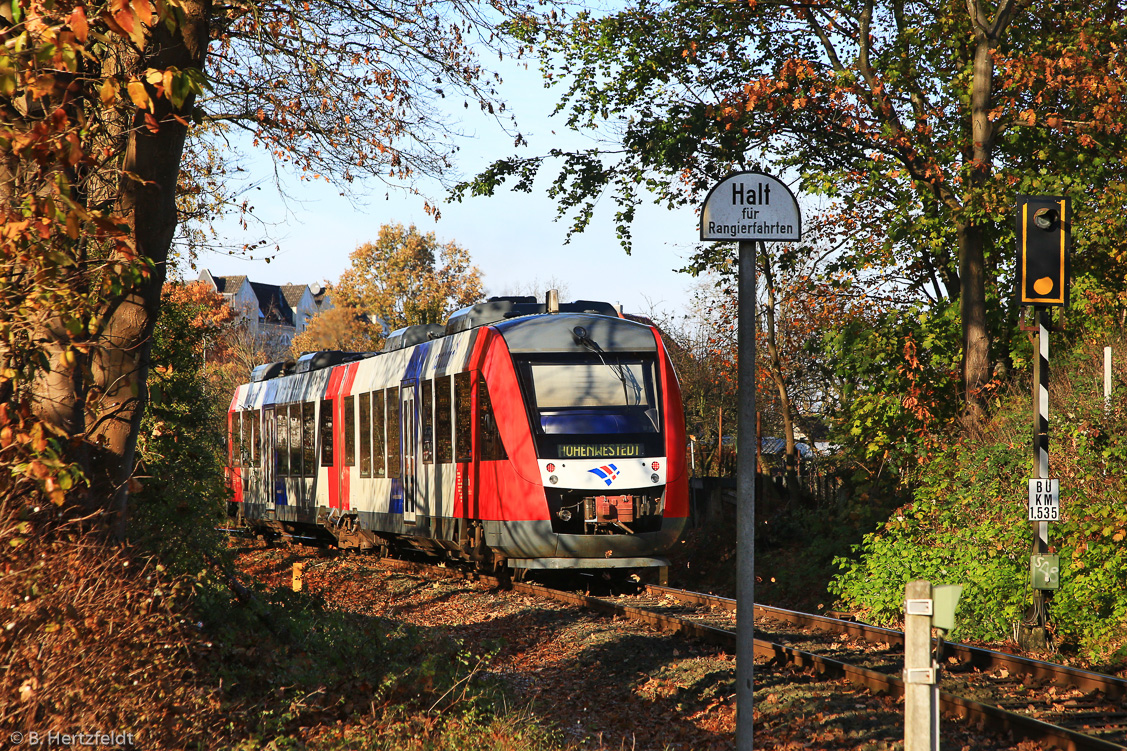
{"type": "Point", "coordinates": [589, 412]}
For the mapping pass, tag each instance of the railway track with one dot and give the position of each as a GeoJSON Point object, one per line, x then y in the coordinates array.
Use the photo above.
{"type": "Point", "coordinates": [1056, 705]}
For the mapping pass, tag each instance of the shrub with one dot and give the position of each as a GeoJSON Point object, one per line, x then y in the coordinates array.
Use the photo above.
{"type": "Point", "coordinates": [967, 522]}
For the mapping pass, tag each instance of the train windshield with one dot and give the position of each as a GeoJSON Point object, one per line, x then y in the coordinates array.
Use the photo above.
{"type": "Point", "coordinates": [592, 395]}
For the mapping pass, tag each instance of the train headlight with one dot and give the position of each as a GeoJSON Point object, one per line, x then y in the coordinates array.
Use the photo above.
{"type": "Point", "coordinates": [564, 514]}
{"type": "Point", "coordinates": [553, 479]}
{"type": "Point", "coordinates": [655, 477]}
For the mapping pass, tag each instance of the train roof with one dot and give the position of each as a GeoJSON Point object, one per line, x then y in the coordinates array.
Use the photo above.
{"type": "Point", "coordinates": [310, 361]}
{"type": "Point", "coordinates": [523, 322]}
{"type": "Point", "coordinates": [497, 309]}
{"type": "Point", "coordinates": [409, 336]}
{"type": "Point", "coordinates": [581, 332]}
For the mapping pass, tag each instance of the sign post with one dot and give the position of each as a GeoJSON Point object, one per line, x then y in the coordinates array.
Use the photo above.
{"type": "Point", "coordinates": [746, 207]}
{"type": "Point", "coordinates": [925, 607]}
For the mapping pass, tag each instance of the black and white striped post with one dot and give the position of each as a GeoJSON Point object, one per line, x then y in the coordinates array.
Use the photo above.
{"type": "Point", "coordinates": [1039, 616]}
{"type": "Point", "coordinates": [746, 207]}
{"type": "Point", "coordinates": [1043, 228]}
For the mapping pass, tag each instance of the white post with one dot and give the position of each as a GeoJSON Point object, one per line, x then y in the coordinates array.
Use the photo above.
{"type": "Point", "coordinates": [919, 671]}
{"type": "Point", "coordinates": [1107, 378]}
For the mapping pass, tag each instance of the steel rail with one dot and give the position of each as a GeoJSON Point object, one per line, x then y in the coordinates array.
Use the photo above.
{"type": "Point", "coordinates": [983, 659]}
{"type": "Point", "coordinates": [1017, 724]}
{"type": "Point", "coordinates": [950, 704]}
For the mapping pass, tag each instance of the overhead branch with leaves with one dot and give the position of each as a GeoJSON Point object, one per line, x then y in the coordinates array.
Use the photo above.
{"type": "Point", "coordinates": [98, 102]}
{"type": "Point", "coordinates": [930, 118]}
{"type": "Point", "coordinates": [351, 90]}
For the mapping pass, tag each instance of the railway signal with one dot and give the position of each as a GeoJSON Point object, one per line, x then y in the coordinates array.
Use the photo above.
{"type": "Point", "coordinates": [1043, 232]}
{"type": "Point", "coordinates": [747, 207]}
{"type": "Point", "coordinates": [1043, 228]}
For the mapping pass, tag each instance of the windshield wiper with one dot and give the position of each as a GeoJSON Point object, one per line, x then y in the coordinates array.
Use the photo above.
{"type": "Point", "coordinates": [618, 369]}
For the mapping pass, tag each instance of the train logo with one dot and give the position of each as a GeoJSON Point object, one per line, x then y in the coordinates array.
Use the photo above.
{"type": "Point", "coordinates": [607, 473]}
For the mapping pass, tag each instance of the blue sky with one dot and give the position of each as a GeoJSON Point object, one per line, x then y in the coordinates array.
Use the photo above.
{"type": "Point", "coordinates": [512, 237]}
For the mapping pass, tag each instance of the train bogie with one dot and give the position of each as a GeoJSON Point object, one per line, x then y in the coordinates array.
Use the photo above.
{"type": "Point", "coordinates": [547, 439]}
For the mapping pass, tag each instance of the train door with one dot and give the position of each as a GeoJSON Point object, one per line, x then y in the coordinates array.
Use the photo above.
{"type": "Point", "coordinates": [252, 475]}
{"type": "Point", "coordinates": [266, 488]}
{"type": "Point", "coordinates": [410, 433]}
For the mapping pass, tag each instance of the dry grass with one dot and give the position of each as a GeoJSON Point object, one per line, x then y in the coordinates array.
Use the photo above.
{"type": "Point", "coordinates": [94, 638]}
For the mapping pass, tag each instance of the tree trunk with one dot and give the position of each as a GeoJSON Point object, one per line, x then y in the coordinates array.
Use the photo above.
{"type": "Point", "coordinates": [972, 304]}
{"type": "Point", "coordinates": [776, 371]}
{"type": "Point", "coordinates": [972, 273]}
{"type": "Point", "coordinates": [146, 202]}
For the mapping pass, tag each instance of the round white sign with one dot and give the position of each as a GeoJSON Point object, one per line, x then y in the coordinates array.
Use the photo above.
{"type": "Point", "coordinates": [750, 206]}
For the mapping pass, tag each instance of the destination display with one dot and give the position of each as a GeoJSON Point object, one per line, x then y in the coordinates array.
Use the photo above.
{"type": "Point", "coordinates": [599, 450]}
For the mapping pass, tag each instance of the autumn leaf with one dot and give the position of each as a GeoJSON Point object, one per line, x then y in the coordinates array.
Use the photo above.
{"type": "Point", "coordinates": [108, 91]}
{"type": "Point", "coordinates": [78, 23]}
{"type": "Point", "coordinates": [144, 11]}
{"type": "Point", "coordinates": [139, 95]}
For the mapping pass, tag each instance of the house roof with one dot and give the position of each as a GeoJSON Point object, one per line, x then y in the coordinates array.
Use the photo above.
{"type": "Point", "coordinates": [294, 293]}
{"type": "Point", "coordinates": [272, 304]}
{"type": "Point", "coordinates": [772, 445]}
{"type": "Point", "coordinates": [228, 285]}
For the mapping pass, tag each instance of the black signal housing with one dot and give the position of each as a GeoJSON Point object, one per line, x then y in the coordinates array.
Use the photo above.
{"type": "Point", "coordinates": [1043, 238]}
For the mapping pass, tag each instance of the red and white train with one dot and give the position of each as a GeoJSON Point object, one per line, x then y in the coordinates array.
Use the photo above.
{"type": "Point", "coordinates": [526, 434]}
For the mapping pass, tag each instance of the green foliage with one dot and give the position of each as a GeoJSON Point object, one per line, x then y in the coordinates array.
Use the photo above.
{"type": "Point", "coordinates": [967, 522]}
{"type": "Point", "coordinates": [516, 731]}
{"type": "Point", "coordinates": [898, 374]}
{"type": "Point", "coordinates": [178, 504]}
{"type": "Point", "coordinates": [920, 150]}
{"type": "Point", "coordinates": [797, 546]}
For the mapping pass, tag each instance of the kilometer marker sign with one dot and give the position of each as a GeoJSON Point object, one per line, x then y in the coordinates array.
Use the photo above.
{"type": "Point", "coordinates": [1044, 500]}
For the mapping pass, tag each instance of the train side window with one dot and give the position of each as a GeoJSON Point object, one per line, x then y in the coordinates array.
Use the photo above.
{"type": "Point", "coordinates": [325, 427]}
{"type": "Point", "coordinates": [255, 436]}
{"type": "Point", "coordinates": [463, 425]}
{"type": "Point", "coordinates": [394, 464]}
{"type": "Point", "coordinates": [379, 443]}
{"type": "Point", "coordinates": [248, 438]}
{"type": "Point", "coordinates": [443, 437]}
{"type": "Point", "coordinates": [295, 440]}
{"type": "Point", "coordinates": [366, 434]}
{"type": "Point", "coordinates": [428, 421]}
{"type": "Point", "coordinates": [350, 431]}
{"type": "Point", "coordinates": [239, 436]}
{"type": "Point", "coordinates": [307, 412]}
{"type": "Point", "coordinates": [489, 436]}
{"type": "Point", "coordinates": [282, 440]}
{"type": "Point", "coordinates": [234, 439]}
